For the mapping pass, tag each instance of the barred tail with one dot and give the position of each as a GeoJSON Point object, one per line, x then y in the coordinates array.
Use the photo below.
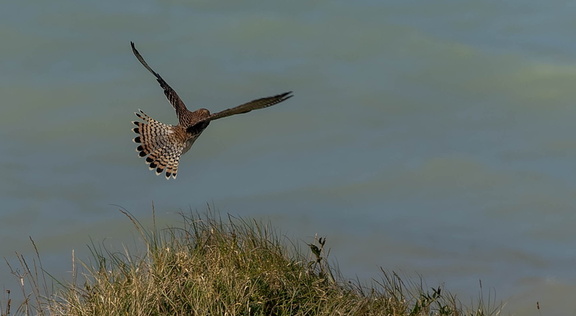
{"type": "Point", "coordinates": [158, 144]}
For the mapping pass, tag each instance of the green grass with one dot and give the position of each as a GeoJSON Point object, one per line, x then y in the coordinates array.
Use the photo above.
{"type": "Point", "coordinates": [215, 266]}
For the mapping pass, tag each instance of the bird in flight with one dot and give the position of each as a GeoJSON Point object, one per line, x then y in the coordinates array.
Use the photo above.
{"type": "Point", "coordinates": [162, 144]}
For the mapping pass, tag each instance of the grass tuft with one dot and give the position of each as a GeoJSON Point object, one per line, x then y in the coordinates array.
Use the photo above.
{"type": "Point", "coordinates": [231, 266]}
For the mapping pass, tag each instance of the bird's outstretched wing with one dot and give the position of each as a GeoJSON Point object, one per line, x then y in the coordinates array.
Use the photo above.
{"type": "Point", "coordinates": [168, 91]}
{"type": "Point", "coordinates": [252, 105]}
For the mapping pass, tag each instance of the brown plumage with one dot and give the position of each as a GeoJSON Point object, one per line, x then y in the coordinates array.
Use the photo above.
{"type": "Point", "coordinates": [163, 144]}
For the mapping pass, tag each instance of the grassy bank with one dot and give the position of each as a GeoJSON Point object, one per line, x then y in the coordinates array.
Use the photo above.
{"type": "Point", "coordinates": [230, 266]}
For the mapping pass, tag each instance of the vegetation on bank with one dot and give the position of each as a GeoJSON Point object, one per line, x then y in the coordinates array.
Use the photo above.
{"type": "Point", "coordinates": [215, 266]}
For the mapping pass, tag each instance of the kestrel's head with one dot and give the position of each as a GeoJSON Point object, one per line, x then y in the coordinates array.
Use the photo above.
{"type": "Point", "coordinates": [199, 122]}
{"type": "Point", "coordinates": [202, 113]}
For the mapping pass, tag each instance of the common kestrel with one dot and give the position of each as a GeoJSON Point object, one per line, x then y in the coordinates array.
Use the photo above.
{"type": "Point", "coordinates": [163, 144]}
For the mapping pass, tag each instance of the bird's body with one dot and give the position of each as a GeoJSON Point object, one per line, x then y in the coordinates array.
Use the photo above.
{"type": "Point", "coordinates": [163, 144]}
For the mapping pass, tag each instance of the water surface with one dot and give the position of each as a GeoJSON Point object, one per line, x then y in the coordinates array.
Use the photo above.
{"type": "Point", "coordinates": [432, 139]}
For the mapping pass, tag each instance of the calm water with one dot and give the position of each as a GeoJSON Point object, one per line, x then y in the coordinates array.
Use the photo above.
{"type": "Point", "coordinates": [428, 138]}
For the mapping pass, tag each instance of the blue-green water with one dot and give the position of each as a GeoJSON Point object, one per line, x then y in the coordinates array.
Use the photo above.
{"type": "Point", "coordinates": [432, 138]}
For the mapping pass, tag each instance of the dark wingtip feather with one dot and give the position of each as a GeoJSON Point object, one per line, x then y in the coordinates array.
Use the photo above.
{"type": "Point", "coordinates": [286, 95]}
{"type": "Point", "coordinates": [133, 47]}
